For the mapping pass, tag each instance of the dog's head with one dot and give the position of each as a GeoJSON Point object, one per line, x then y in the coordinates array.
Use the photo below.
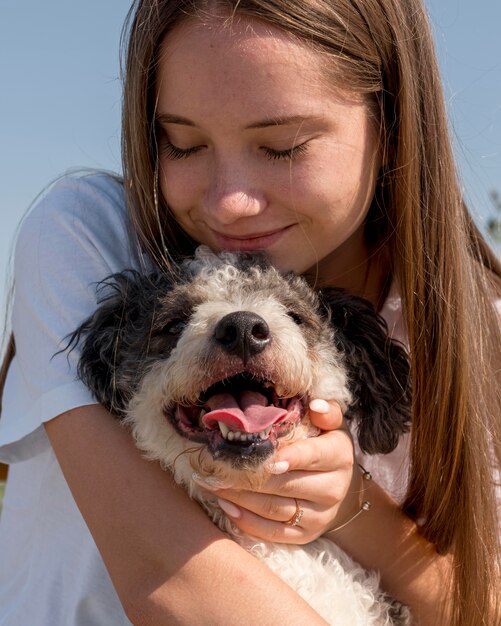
{"type": "Point", "coordinates": [218, 363]}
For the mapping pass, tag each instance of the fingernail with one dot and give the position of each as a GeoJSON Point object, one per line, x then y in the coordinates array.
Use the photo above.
{"type": "Point", "coordinates": [209, 482]}
{"type": "Point", "coordinates": [319, 406]}
{"type": "Point", "coordinates": [278, 468]}
{"type": "Point", "coordinates": [229, 508]}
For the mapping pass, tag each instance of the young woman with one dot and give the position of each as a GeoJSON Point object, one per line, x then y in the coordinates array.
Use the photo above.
{"type": "Point", "coordinates": [314, 130]}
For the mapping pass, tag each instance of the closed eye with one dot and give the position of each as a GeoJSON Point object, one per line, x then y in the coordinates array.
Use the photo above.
{"type": "Point", "coordinates": [290, 154]}
{"type": "Point", "coordinates": [173, 152]}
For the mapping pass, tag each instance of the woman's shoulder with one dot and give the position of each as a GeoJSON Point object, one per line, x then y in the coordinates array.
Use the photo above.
{"type": "Point", "coordinates": [79, 197]}
{"type": "Point", "coordinates": [80, 215]}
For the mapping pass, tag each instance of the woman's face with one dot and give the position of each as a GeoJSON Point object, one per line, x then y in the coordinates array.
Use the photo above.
{"type": "Point", "coordinates": [258, 151]}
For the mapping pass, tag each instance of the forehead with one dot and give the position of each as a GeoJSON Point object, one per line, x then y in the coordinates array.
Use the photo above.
{"type": "Point", "coordinates": [224, 60]}
{"type": "Point", "coordinates": [243, 40]}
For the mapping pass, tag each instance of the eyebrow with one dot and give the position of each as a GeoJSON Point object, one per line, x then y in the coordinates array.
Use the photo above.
{"type": "Point", "coordinates": [167, 118]}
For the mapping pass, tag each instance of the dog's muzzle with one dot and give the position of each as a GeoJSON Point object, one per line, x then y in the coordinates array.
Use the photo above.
{"type": "Point", "coordinates": [241, 416]}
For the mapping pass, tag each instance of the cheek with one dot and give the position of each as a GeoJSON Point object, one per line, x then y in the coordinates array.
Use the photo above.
{"type": "Point", "coordinates": [320, 198]}
{"type": "Point", "coordinates": [338, 190]}
{"type": "Point", "coordinates": [180, 186]}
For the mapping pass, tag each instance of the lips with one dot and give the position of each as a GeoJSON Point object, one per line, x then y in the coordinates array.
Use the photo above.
{"type": "Point", "coordinates": [251, 241]}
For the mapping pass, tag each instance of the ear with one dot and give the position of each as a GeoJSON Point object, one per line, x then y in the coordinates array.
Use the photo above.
{"type": "Point", "coordinates": [126, 306]}
{"type": "Point", "coordinates": [378, 370]}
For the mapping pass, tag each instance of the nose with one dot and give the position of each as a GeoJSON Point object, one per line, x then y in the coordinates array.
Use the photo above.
{"type": "Point", "coordinates": [233, 192]}
{"type": "Point", "coordinates": [242, 333]}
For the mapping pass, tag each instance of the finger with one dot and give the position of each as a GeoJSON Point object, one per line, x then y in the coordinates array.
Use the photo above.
{"type": "Point", "coordinates": [269, 506]}
{"type": "Point", "coordinates": [325, 415]}
{"type": "Point", "coordinates": [316, 489]}
{"type": "Point", "coordinates": [269, 530]}
{"type": "Point", "coordinates": [327, 452]}
{"type": "Point", "coordinates": [295, 484]}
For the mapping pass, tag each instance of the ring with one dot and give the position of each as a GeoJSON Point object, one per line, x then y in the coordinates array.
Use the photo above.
{"type": "Point", "coordinates": [296, 518]}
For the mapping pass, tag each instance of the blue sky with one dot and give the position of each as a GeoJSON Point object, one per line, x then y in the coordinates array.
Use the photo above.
{"type": "Point", "coordinates": [60, 95]}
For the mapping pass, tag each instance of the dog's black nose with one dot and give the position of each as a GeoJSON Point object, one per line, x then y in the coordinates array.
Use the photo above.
{"type": "Point", "coordinates": [242, 333]}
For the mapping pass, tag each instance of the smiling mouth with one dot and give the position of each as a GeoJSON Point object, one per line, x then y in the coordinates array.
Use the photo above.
{"type": "Point", "coordinates": [240, 418]}
{"type": "Point", "coordinates": [251, 241]}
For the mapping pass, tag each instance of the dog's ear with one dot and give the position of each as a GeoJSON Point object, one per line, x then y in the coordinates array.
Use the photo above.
{"type": "Point", "coordinates": [126, 306]}
{"type": "Point", "coordinates": [378, 370]}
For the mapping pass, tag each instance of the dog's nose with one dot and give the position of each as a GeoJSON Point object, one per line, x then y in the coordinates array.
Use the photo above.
{"type": "Point", "coordinates": [242, 333]}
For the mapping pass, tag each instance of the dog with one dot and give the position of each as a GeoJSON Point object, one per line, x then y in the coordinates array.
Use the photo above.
{"type": "Point", "coordinates": [212, 366]}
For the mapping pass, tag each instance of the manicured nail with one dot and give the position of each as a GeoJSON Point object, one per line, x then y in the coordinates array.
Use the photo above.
{"type": "Point", "coordinates": [229, 508]}
{"type": "Point", "coordinates": [319, 406]}
{"type": "Point", "coordinates": [280, 467]}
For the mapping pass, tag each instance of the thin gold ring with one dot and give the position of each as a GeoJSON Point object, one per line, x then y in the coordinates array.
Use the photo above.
{"type": "Point", "coordinates": [297, 517]}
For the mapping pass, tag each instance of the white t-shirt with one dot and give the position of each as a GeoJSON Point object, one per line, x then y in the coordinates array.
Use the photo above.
{"type": "Point", "coordinates": [51, 573]}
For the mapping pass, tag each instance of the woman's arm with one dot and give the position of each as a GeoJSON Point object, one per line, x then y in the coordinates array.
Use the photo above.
{"type": "Point", "coordinates": [386, 540]}
{"type": "Point", "coordinates": [168, 562]}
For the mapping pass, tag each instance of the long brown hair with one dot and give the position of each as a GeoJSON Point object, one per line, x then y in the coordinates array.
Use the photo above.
{"type": "Point", "coordinates": [447, 274]}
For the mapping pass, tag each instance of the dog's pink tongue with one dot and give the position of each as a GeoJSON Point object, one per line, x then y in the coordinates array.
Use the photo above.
{"type": "Point", "coordinates": [249, 413]}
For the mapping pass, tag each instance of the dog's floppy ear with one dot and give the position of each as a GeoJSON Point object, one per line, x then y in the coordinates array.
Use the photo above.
{"type": "Point", "coordinates": [378, 370]}
{"type": "Point", "coordinates": [126, 306]}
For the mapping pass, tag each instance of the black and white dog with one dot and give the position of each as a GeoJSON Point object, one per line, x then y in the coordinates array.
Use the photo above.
{"type": "Point", "coordinates": [212, 371]}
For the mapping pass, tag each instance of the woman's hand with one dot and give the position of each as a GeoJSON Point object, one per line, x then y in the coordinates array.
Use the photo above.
{"type": "Point", "coordinates": [319, 473]}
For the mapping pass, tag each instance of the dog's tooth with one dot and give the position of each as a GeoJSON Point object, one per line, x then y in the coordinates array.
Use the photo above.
{"type": "Point", "coordinates": [267, 431]}
{"type": "Point", "coordinates": [262, 435]}
{"type": "Point", "coordinates": [224, 428]}
{"type": "Point", "coordinates": [236, 435]}
{"type": "Point", "coordinates": [230, 436]}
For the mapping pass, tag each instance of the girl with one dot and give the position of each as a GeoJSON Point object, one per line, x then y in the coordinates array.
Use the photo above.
{"type": "Point", "coordinates": [314, 130]}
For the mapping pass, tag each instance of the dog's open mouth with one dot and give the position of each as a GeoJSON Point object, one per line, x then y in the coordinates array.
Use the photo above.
{"type": "Point", "coordinates": [242, 416]}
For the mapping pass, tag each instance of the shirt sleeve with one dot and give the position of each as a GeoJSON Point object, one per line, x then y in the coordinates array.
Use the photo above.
{"type": "Point", "coordinates": [74, 237]}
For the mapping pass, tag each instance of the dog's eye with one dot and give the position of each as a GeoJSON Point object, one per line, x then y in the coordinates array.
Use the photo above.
{"type": "Point", "coordinates": [175, 327]}
{"type": "Point", "coordinates": [295, 317]}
